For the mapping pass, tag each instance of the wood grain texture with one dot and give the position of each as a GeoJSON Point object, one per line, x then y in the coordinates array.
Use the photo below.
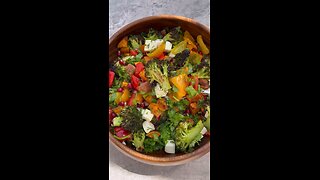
{"type": "Point", "coordinates": [159, 23]}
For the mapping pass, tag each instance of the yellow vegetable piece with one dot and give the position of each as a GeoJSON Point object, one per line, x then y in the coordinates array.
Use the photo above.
{"type": "Point", "coordinates": [190, 44]}
{"type": "Point", "coordinates": [189, 36]}
{"type": "Point", "coordinates": [157, 52]}
{"type": "Point", "coordinates": [125, 96]}
{"type": "Point", "coordinates": [181, 83]}
{"type": "Point", "coordinates": [118, 97]}
{"type": "Point", "coordinates": [123, 43]}
{"type": "Point", "coordinates": [179, 47]}
{"type": "Point", "coordinates": [203, 47]}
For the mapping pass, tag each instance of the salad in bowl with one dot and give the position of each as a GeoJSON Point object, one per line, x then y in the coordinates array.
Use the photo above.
{"type": "Point", "coordinates": [159, 91]}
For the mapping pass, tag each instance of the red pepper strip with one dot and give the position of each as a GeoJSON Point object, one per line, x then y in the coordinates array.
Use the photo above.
{"type": "Point", "coordinates": [139, 68]}
{"type": "Point", "coordinates": [133, 52]}
{"type": "Point", "coordinates": [111, 77]}
{"type": "Point", "coordinates": [195, 86]}
{"type": "Point", "coordinates": [130, 102]}
{"type": "Point", "coordinates": [135, 81]}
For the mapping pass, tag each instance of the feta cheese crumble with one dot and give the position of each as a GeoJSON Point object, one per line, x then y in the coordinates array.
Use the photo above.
{"type": "Point", "coordinates": [170, 147]}
{"type": "Point", "coordinates": [148, 126]}
{"type": "Point", "coordinates": [146, 114]}
{"type": "Point", "coordinates": [159, 92]}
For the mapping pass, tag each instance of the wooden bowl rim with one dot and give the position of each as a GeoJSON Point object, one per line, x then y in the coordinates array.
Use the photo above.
{"type": "Point", "coordinates": [149, 159]}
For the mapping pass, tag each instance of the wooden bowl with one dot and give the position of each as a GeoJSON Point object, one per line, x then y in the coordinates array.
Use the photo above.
{"type": "Point", "coordinates": [159, 23]}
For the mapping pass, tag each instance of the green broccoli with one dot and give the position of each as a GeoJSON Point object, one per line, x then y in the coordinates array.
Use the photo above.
{"type": "Point", "coordinates": [175, 36]}
{"type": "Point", "coordinates": [138, 140]}
{"type": "Point", "coordinates": [203, 73]}
{"type": "Point", "coordinates": [132, 119]}
{"type": "Point", "coordinates": [187, 136]}
{"type": "Point", "coordinates": [159, 73]}
{"type": "Point", "coordinates": [135, 41]}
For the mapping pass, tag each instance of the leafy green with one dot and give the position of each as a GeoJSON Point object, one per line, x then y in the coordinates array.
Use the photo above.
{"type": "Point", "coordinates": [152, 144]}
{"type": "Point", "coordinates": [191, 91]}
{"type": "Point", "coordinates": [175, 117]}
{"type": "Point", "coordinates": [165, 132]}
{"type": "Point", "coordinates": [175, 36]}
{"type": "Point", "coordinates": [135, 59]}
{"type": "Point", "coordinates": [135, 41]}
{"type": "Point", "coordinates": [203, 73]}
{"type": "Point", "coordinates": [152, 35]}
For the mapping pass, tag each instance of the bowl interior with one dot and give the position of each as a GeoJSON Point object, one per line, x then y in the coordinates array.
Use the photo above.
{"type": "Point", "coordinates": [159, 23]}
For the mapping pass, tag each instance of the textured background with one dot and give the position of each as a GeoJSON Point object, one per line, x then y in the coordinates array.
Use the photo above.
{"type": "Point", "coordinates": [122, 12]}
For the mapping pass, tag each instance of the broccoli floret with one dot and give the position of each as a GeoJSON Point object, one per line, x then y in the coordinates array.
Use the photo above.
{"type": "Point", "coordinates": [152, 35]}
{"type": "Point", "coordinates": [135, 41]}
{"type": "Point", "coordinates": [165, 132]}
{"type": "Point", "coordinates": [138, 139]}
{"type": "Point", "coordinates": [203, 73]}
{"type": "Point", "coordinates": [158, 71]}
{"type": "Point", "coordinates": [132, 119]}
{"type": "Point", "coordinates": [187, 136]}
{"type": "Point", "coordinates": [175, 36]}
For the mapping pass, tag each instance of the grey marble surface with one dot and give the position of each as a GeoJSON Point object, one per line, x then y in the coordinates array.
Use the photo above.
{"type": "Point", "coordinates": [122, 12]}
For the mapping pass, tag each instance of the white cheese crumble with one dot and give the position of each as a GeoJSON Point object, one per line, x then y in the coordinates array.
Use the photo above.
{"type": "Point", "coordinates": [170, 147]}
{"type": "Point", "coordinates": [127, 57]}
{"type": "Point", "coordinates": [207, 91]}
{"type": "Point", "coordinates": [159, 92]}
{"type": "Point", "coordinates": [151, 45]}
{"type": "Point", "coordinates": [204, 130]}
{"type": "Point", "coordinates": [147, 126]}
{"type": "Point", "coordinates": [146, 114]}
{"type": "Point", "coordinates": [168, 46]}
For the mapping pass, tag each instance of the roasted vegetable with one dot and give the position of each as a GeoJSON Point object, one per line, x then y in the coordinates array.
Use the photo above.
{"type": "Point", "coordinates": [203, 47]}
{"type": "Point", "coordinates": [158, 73]}
{"type": "Point", "coordinates": [157, 52]}
{"type": "Point", "coordinates": [181, 83]}
{"type": "Point", "coordinates": [187, 136]}
{"type": "Point", "coordinates": [123, 43]}
{"type": "Point", "coordinates": [132, 119]}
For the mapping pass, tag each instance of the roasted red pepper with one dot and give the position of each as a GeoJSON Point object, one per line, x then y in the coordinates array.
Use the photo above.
{"type": "Point", "coordinates": [111, 77]}
{"type": "Point", "coordinates": [130, 102]}
{"type": "Point", "coordinates": [196, 83]}
{"type": "Point", "coordinates": [133, 52]}
{"type": "Point", "coordinates": [135, 81]}
{"type": "Point", "coordinates": [121, 134]}
{"type": "Point", "coordinates": [161, 57]}
{"type": "Point", "coordinates": [139, 68]}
